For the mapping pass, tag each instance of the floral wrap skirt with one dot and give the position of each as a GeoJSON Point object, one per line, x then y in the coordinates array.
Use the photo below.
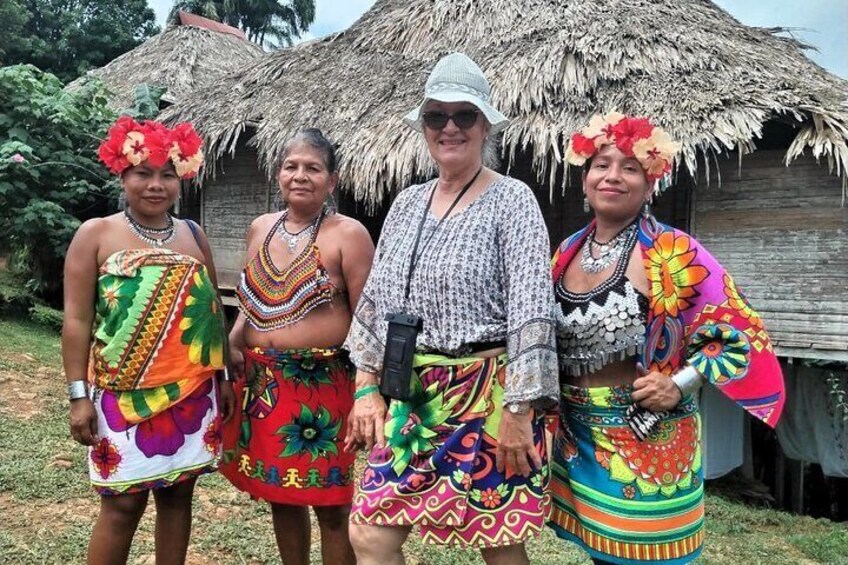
{"type": "Point", "coordinates": [438, 468]}
{"type": "Point", "coordinates": [179, 443]}
{"type": "Point", "coordinates": [285, 441]}
{"type": "Point", "coordinates": [624, 500]}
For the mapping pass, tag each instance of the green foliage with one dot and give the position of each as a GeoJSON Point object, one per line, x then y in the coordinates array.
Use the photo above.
{"type": "Point", "coordinates": [67, 37]}
{"type": "Point", "coordinates": [147, 97]}
{"type": "Point", "coordinates": [47, 316]}
{"type": "Point", "coordinates": [14, 18]}
{"type": "Point", "coordinates": [50, 179]}
{"type": "Point", "coordinates": [267, 22]}
{"type": "Point", "coordinates": [15, 299]}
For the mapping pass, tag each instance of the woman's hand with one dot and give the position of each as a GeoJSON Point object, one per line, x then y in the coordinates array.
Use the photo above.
{"type": "Point", "coordinates": [655, 391]}
{"type": "Point", "coordinates": [83, 422]}
{"type": "Point", "coordinates": [366, 423]}
{"type": "Point", "coordinates": [516, 451]}
{"type": "Point", "coordinates": [226, 400]}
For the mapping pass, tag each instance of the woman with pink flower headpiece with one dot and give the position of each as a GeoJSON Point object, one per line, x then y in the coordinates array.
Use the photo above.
{"type": "Point", "coordinates": [142, 342]}
{"type": "Point", "coordinates": [645, 316]}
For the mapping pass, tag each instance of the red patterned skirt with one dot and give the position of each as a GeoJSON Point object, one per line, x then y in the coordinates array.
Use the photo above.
{"type": "Point", "coordinates": [285, 441]}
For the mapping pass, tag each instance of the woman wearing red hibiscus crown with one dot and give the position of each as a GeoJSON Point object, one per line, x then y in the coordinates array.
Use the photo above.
{"type": "Point", "coordinates": [142, 342]}
{"type": "Point", "coordinates": [645, 316]}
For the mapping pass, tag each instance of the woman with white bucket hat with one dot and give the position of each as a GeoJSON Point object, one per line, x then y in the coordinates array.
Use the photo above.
{"type": "Point", "coordinates": [455, 324]}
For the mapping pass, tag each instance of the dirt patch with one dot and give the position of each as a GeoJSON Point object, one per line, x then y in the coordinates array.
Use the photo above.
{"type": "Point", "coordinates": [24, 395]}
{"type": "Point", "coordinates": [23, 518]}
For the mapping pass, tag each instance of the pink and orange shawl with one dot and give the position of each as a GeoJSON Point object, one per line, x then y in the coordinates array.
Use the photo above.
{"type": "Point", "coordinates": [699, 317]}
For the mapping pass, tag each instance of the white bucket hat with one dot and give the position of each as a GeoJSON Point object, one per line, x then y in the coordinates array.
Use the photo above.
{"type": "Point", "coordinates": [456, 78]}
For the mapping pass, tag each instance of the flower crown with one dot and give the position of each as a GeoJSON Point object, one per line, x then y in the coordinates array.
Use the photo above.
{"type": "Point", "coordinates": [130, 143]}
{"type": "Point", "coordinates": [635, 137]}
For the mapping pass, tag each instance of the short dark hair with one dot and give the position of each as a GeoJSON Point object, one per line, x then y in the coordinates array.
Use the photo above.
{"type": "Point", "coordinates": [314, 138]}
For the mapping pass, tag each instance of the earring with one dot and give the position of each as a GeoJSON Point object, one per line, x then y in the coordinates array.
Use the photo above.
{"type": "Point", "coordinates": [122, 201]}
{"type": "Point", "coordinates": [586, 207]}
{"type": "Point", "coordinates": [646, 209]}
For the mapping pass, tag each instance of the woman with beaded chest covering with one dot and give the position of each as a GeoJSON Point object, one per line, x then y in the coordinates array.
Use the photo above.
{"type": "Point", "coordinates": [144, 282]}
{"type": "Point", "coordinates": [305, 270]}
{"type": "Point", "coordinates": [645, 315]}
{"type": "Point", "coordinates": [463, 261]}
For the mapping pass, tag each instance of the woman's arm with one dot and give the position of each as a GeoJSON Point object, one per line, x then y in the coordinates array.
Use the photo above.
{"type": "Point", "coordinates": [80, 290]}
{"type": "Point", "coordinates": [357, 255]}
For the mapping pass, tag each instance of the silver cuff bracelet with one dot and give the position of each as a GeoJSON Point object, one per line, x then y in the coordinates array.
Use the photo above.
{"type": "Point", "coordinates": [688, 380]}
{"type": "Point", "coordinates": [77, 390]}
{"type": "Point", "coordinates": [224, 375]}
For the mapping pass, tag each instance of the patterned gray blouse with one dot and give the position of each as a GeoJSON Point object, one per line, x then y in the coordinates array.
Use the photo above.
{"type": "Point", "coordinates": [484, 276]}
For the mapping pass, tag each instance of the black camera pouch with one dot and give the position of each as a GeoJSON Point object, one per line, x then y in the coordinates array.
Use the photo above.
{"type": "Point", "coordinates": [400, 349]}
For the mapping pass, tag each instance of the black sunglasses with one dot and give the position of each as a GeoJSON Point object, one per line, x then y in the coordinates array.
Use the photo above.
{"type": "Point", "coordinates": [464, 119]}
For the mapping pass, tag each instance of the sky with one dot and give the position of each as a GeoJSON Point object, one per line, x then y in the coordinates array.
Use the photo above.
{"type": "Point", "coordinates": [821, 23]}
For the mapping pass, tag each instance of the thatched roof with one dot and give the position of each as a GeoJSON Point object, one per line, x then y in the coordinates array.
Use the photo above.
{"type": "Point", "coordinates": [709, 80]}
{"type": "Point", "coordinates": [181, 58]}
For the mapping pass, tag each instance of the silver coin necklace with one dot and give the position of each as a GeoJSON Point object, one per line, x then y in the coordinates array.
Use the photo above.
{"type": "Point", "coordinates": [607, 252]}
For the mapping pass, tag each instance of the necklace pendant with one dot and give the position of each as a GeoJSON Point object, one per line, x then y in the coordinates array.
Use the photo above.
{"type": "Point", "coordinates": [292, 245]}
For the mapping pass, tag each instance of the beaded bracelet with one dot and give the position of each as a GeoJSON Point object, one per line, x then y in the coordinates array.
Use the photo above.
{"type": "Point", "coordinates": [365, 391]}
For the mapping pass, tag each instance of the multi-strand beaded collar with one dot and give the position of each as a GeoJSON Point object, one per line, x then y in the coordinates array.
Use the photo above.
{"type": "Point", "coordinates": [271, 298]}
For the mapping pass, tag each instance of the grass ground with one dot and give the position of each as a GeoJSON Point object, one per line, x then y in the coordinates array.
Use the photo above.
{"type": "Point", "coordinates": [47, 509]}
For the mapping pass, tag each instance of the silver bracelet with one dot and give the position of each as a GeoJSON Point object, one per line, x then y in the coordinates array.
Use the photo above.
{"type": "Point", "coordinates": [688, 380]}
{"type": "Point", "coordinates": [224, 374]}
{"type": "Point", "coordinates": [77, 390]}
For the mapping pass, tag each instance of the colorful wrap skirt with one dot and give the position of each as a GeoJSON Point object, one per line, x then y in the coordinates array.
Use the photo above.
{"type": "Point", "coordinates": [179, 443]}
{"type": "Point", "coordinates": [285, 441]}
{"type": "Point", "coordinates": [622, 500]}
{"type": "Point", "coordinates": [438, 467]}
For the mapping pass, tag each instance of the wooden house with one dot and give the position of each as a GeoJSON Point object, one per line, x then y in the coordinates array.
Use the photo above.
{"type": "Point", "coordinates": [761, 177]}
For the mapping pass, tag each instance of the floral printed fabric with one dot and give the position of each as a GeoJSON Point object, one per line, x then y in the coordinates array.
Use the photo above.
{"type": "Point", "coordinates": [624, 500]}
{"type": "Point", "coordinates": [438, 469]}
{"type": "Point", "coordinates": [699, 317]}
{"type": "Point", "coordinates": [158, 341]}
{"type": "Point", "coordinates": [285, 441]}
{"type": "Point", "coordinates": [160, 330]}
{"type": "Point", "coordinates": [174, 445]}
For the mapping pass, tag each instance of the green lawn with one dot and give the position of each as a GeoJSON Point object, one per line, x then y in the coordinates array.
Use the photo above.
{"type": "Point", "coordinates": [47, 508]}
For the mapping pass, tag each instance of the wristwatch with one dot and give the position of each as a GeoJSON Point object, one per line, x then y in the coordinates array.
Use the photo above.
{"type": "Point", "coordinates": [77, 390]}
{"type": "Point", "coordinates": [518, 408]}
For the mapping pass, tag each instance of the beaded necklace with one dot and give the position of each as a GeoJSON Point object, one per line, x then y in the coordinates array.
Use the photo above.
{"type": "Point", "coordinates": [273, 298]}
{"type": "Point", "coordinates": [152, 236]}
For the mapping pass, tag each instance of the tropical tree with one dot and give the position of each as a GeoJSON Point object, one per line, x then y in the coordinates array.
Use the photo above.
{"type": "Point", "coordinates": [271, 23]}
{"type": "Point", "coordinates": [67, 37]}
{"type": "Point", "coordinates": [50, 179]}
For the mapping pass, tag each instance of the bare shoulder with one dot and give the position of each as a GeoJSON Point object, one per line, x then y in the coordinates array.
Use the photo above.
{"type": "Point", "coordinates": [345, 225]}
{"type": "Point", "coordinates": [91, 231]}
{"type": "Point", "coordinates": [262, 224]}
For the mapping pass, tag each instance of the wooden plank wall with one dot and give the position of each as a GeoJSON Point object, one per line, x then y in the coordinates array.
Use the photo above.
{"type": "Point", "coordinates": [238, 194]}
{"type": "Point", "coordinates": [781, 232]}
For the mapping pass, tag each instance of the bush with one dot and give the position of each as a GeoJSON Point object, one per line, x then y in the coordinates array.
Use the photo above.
{"type": "Point", "coordinates": [46, 316]}
{"type": "Point", "coordinates": [50, 179]}
{"type": "Point", "coordinates": [15, 299]}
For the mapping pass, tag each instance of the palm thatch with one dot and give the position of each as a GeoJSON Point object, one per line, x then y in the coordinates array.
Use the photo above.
{"type": "Point", "coordinates": [709, 80]}
{"type": "Point", "coordinates": [181, 58]}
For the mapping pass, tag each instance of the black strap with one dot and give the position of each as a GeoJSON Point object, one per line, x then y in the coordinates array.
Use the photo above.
{"type": "Point", "coordinates": [413, 262]}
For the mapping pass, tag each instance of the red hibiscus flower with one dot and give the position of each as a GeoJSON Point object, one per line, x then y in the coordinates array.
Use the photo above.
{"type": "Point", "coordinates": [105, 457]}
{"type": "Point", "coordinates": [630, 130]}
